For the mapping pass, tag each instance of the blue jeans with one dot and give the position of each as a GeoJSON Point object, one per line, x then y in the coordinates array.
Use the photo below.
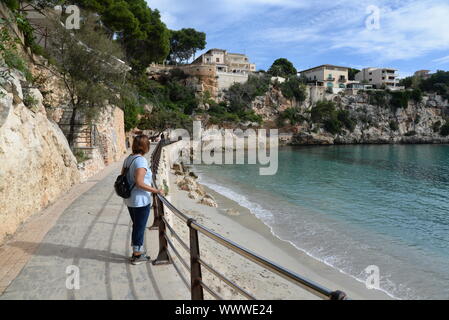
{"type": "Point", "coordinates": [139, 217]}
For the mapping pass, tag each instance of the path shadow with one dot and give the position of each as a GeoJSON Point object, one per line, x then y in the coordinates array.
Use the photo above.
{"type": "Point", "coordinates": [68, 252]}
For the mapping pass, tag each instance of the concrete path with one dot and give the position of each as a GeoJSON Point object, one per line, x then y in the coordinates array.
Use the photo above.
{"type": "Point", "coordinates": [91, 235]}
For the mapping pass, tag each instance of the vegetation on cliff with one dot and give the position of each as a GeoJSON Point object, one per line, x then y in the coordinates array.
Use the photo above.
{"type": "Point", "coordinates": [436, 83]}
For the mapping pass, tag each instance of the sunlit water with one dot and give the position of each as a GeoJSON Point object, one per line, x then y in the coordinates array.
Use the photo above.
{"type": "Point", "coordinates": [356, 206]}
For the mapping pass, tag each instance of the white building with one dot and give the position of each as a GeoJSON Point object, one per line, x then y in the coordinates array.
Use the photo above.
{"type": "Point", "coordinates": [330, 76]}
{"type": "Point", "coordinates": [230, 68]}
{"type": "Point", "coordinates": [378, 77]}
{"type": "Point", "coordinates": [226, 61]}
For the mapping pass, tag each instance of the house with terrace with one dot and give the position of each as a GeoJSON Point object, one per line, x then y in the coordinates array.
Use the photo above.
{"type": "Point", "coordinates": [379, 77]}
{"type": "Point", "coordinates": [333, 77]}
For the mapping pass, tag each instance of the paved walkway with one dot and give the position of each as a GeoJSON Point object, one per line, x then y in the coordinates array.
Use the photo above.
{"type": "Point", "coordinates": [93, 234]}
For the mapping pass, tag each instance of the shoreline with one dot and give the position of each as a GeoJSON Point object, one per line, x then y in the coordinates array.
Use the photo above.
{"type": "Point", "coordinates": [246, 229]}
{"type": "Point", "coordinates": [256, 224]}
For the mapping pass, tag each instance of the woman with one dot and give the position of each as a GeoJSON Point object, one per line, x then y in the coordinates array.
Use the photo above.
{"type": "Point", "coordinates": [139, 176]}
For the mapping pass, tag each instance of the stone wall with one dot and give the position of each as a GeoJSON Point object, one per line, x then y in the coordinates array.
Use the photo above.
{"type": "Point", "coordinates": [93, 165]}
{"type": "Point", "coordinates": [37, 165]}
{"type": "Point", "coordinates": [111, 129]}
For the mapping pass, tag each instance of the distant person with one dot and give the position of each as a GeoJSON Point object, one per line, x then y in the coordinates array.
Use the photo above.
{"type": "Point", "coordinates": [162, 139]}
{"type": "Point", "coordinates": [139, 176]}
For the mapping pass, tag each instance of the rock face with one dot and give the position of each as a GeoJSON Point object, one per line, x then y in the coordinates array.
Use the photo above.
{"type": "Point", "coordinates": [37, 165]}
{"type": "Point", "coordinates": [415, 123]}
{"type": "Point", "coordinates": [111, 129]}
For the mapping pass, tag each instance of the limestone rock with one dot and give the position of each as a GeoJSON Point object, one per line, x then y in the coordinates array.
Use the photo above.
{"type": "Point", "coordinates": [209, 202]}
{"type": "Point", "coordinates": [305, 138]}
{"type": "Point", "coordinates": [47, 167]}
{"type": "Point", "coordinates": [232, 212]}
{"type": "Point", "coordinates": [193, 195]}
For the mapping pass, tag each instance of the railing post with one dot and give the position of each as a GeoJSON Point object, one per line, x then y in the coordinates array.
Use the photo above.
{"type": "Point", "coordinates": [162, 257]}
{"type": "Point", "coordinates": [157, 218]}
{"type": "Point", "coordinates": [195, 266]}
{"type": "Point", "coordinates": [338, 295]}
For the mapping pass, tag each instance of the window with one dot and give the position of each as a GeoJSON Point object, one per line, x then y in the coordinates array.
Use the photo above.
{"type": "Point", "coordinates": [218, 59]}
{"type": "Point", "coordinates": [330, 85]}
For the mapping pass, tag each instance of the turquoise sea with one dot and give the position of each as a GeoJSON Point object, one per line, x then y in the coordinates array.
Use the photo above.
{"type": "Point", "coordinates": [356, 206]}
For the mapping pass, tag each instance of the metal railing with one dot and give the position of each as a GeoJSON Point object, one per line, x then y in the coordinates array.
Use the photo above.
{"type": "Point", "coordinates": [196, 283]}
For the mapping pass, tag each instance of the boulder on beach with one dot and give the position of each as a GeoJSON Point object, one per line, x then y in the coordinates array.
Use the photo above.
{"type": "Point", "coordinates": [232, 212]}
{"type": "Point", "coordinates": [193, 195]}
{"type": "Point", "coordinates": [193, 175]}
{"type": "Point", "coordinates": [209, 202]}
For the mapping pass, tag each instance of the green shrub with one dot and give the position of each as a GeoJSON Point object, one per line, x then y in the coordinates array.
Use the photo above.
{"type": "Point", "coordinates": [399, 99]}
{"type": "Point", "coordinates": [394, 126]}
{"type": "Point", "coordinates": [344, 117]}
{"type": "Point", "coordinates": [444, 130]}
{"type": "Point", "coordinates": [294, 88]}
{"type": "Point", "coordinates": [417, 119]}
{"type": "Point", "coordinates": [377, 98]}
{"type": "Point", "coordinates": [292, 115]}
{"type": "Point", "coordinates": [27, 30]}
{"type": "Point", "coordinates": [410, 133]}
{"type": "Point", "coordinates": [436, 126]}
{"type": "Point", "coordinates": [80, 156]}
{"type": "Point", "coordinates": [324, 112]}
{"type": "Point", "coordinates": [14, 61]}
{"type": "Point", "coordinates": [131, 111]}
{"type": "Point", "coordinates": [250, 116]}
{"type": "Point", "coordinates": [416, 95]}
{"type": "Point", "coordinates": [12, 4]}
{"type": "Point", "coordinates": [240, 95]}
{"type": "Point", "coordinates": [332, 125]}
{"type": "Point", "coordinates": [29, 101]}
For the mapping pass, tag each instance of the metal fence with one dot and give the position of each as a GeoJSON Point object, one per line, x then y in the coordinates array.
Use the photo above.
{"type": "Point", "coordinates": [196, 283]}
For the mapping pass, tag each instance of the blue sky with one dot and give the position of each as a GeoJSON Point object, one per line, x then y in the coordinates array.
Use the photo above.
{"type": "Point", "coordinates": [411, 34]}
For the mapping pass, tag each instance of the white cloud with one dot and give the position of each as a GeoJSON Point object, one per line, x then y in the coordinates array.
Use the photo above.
{"type": "Point", "coordinates": [442, 60]}
{"type": "Point", "coordinates": [409, 29]}
{"type": "Point", "coordinates": [404, 33]}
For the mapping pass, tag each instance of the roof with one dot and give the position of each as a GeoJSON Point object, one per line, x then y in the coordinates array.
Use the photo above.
{"type": "Point", "coordinates": [237, 54]}
{"type": "Point", "coordinates": [324, 65]}
{"type": "Point", "coordinates": [215, 49]}
{"type": "Point", "coordinates": [373, 68]}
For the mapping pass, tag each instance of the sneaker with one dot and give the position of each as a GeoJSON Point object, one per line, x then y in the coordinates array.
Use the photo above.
{"type": "Point", "coordinates": [135, 260]}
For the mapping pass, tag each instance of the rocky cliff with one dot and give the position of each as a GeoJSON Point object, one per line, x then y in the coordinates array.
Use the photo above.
{"type": "Point", "coordinates": [37, 164]}
{"type": "Point", "coordinates": [417, 123]}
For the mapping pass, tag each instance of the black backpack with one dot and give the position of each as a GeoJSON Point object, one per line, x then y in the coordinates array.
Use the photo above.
{"type": "Point", "coordinates": [121, 185]}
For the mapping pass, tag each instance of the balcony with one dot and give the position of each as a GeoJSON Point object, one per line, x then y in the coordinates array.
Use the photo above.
{"type": "Point", "coordinates": [342, 79]}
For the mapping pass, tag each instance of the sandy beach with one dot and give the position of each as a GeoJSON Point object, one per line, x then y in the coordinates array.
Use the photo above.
{"type": "Point", "coordinates": [239, 225]}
